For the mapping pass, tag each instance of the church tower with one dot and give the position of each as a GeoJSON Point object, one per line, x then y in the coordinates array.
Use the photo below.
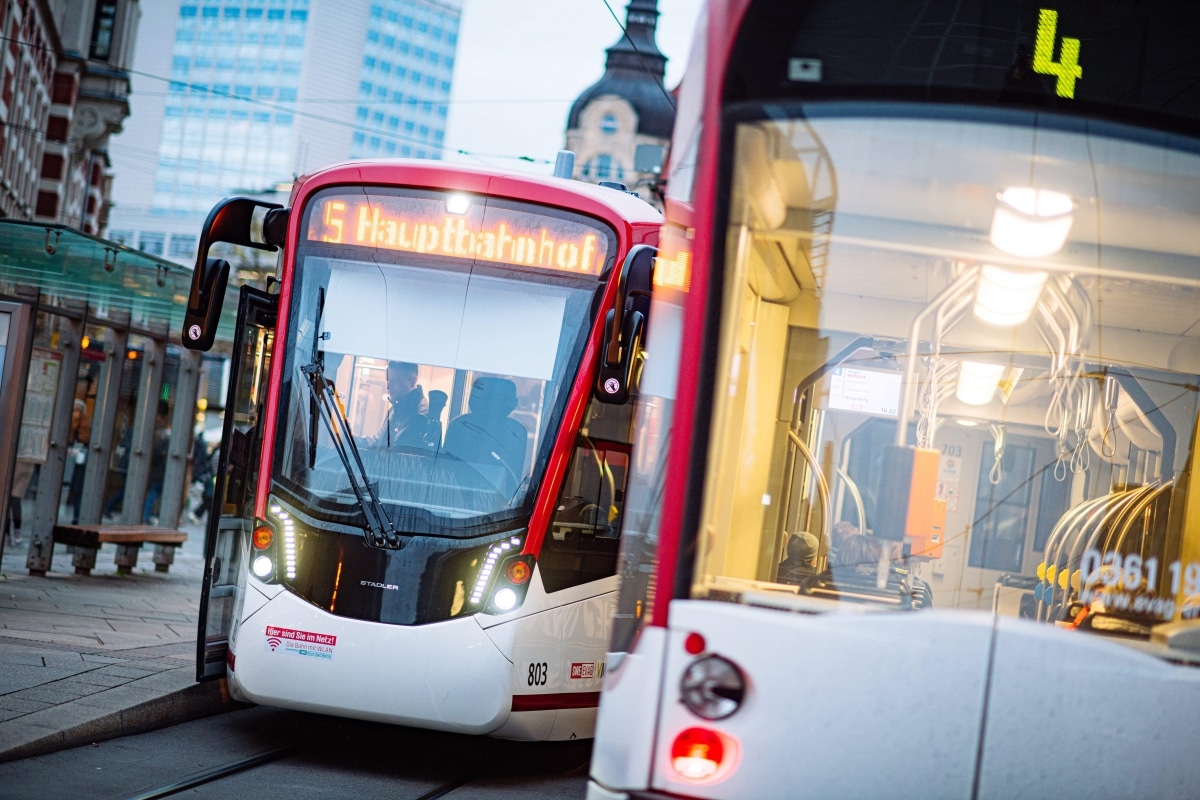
{"type": "Point", "coordinates": [620, 127]}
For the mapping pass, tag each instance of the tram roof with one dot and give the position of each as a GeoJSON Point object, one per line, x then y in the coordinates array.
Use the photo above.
{"type": "Point", "coordinates": [66, 264]}
{"type": "Point", "coordinates": [564, 192]}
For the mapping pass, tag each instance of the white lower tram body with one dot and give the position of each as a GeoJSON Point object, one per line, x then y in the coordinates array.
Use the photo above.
{"type": "Point", "coordinates": [460, 675]}
{"type": "Point", "coordinates": [894, 705]}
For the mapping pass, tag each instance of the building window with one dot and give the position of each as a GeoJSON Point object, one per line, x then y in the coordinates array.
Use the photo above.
{"type": "Point", "coordinates": [151, 243]}
{"type": "Point", "coordinates": [604, 166]}
{"type": "Point", "coordinates": [609, 124]}
{"type": "Point", "coordinates": [103, 26]}
{"type": "Point", "coordinates": [121, 237]}
{"type": "Point", "coordinates": [183, 246]}
{"type": "Point", "coordinates": [648, 158]}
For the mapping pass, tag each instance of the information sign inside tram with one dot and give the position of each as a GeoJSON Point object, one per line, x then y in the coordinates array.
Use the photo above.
{"type": "Point", "coordinates": [460, 227]}
{"type": "Point", "coordinates": [867, 391]}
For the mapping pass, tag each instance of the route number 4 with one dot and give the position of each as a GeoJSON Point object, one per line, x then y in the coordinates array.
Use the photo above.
{"type": "Point", "coordinates": [1067, 68]}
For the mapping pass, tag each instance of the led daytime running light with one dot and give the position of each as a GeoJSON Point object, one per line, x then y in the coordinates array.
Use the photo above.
{"type": "Point", "coordinates": [489, 562]}
{"type": "Point", "coordinates": [289, 541]}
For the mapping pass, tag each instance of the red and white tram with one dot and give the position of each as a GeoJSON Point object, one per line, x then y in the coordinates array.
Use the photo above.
{"type": "Point", "coordinates": [914, 506]}
{"type": "Point", "coordinates": [419, 488]}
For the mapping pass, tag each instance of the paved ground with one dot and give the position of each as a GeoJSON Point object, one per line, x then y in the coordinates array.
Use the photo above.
{"type": "Point", "coordinates": [84, 659]}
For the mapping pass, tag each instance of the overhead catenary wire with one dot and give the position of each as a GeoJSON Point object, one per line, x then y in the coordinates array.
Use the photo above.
{"type": "Point", "coordinates": [205, 89]}
{"type": "Point", "coordinates": [641, 58]}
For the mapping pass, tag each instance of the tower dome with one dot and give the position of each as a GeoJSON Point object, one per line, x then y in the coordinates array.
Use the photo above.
{"type": "Point", "coordinates": [620, 126]}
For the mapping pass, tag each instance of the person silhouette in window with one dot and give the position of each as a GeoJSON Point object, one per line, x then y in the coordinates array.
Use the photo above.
{"type": "Point", "coordinates": [406, 424]}
{"type": "Point", "coordinates": [437, 404]}
{"type": "Point", "coordinates": [487, 435]}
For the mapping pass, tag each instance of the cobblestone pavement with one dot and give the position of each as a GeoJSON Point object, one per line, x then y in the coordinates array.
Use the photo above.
{"type": "Point", "coordinates": [90, 658]}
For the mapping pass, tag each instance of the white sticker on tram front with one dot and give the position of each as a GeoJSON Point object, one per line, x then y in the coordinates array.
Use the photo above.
{"type": "Point", "coordinates": [300, 643]}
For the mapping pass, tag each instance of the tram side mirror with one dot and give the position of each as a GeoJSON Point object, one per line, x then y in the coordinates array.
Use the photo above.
{"type": "Point", "coordinates": [625, 328]}
{"type": "Point", "coordinates": [232, 221]}
{"type": "Point", "coordinates": [203, 312]}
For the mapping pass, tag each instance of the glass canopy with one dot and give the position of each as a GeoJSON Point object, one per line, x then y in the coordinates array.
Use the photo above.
{"type": "Point", "coordinates": [110, 277]}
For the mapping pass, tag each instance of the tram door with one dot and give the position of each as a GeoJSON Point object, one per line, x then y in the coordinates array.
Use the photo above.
{"type": "Point", "coordinates": [231, 518]}
{"type": "Point", "coordinates": [995, 487]}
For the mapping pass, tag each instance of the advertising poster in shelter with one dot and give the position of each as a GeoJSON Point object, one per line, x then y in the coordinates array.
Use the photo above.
{"type": "Point", "coordinates": [44, 369]}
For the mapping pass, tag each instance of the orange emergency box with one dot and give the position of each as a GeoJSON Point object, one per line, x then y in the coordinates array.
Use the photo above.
{"type": "Point", "coordinates": [909, 508]}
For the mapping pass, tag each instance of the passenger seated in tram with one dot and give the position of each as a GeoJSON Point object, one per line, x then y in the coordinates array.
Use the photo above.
{"type": "Point", "coordinates": [801, 558]}
{"type": "Point", "coordinates": [487, 435]}
{"type": "Point", "coordinates": [839, 533]}
{"type": "Point", "coordinates": [858, 565]}
{"type": "Point", "coordinates": [437, 405]}
{"type": "Point", "coordinates": [857, 560]}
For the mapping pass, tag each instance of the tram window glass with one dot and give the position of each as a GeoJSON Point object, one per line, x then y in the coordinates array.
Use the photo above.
{"type": "Point", "coordinates": [452, 371]}
{"type": "Point", "coordinates": [1003, 495]}
{"type": "Point", "coordinates": [892, 242]}
{"type": "Point", "coordinates": [581, 545]}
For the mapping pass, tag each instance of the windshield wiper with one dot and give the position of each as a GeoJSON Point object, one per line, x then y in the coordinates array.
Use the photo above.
{"type": "Point", "coordinates": [380, 532]}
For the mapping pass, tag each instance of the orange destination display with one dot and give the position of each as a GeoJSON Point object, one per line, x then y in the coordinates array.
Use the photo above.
{"type": "Point", "coordinates": [478, 230]}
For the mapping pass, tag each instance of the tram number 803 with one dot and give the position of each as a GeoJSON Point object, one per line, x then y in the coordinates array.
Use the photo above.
{"type": "Point", "coordinates": [537, 674]}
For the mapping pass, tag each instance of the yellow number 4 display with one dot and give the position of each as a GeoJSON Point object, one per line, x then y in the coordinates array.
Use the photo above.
{"type": "Point", "coordinates": [1067, 68]}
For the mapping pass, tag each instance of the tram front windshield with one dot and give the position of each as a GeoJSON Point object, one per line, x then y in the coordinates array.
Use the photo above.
{"type": "Point", "coordinates": [450, 329]}
{"type": "Point", "coordinates": [958, 367]}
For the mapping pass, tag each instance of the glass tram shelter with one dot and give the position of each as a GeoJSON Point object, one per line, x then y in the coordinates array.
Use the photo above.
{"type": "Point", "coordinates": [90, 389]}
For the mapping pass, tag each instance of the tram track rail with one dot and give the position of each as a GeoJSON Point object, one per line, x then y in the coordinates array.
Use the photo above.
{"type": "Point", "coordinates": [262, 759]}
{"type": "Point", "coordinates": [214, 774]}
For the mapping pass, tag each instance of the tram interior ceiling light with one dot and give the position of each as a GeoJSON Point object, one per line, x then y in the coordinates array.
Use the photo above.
{"type": "Point", "coordinates": [977, 382]}
{"type": "Point", "coordinates": [1007, 297]}
{"type": "Point", "coordinates": [1032, 223]}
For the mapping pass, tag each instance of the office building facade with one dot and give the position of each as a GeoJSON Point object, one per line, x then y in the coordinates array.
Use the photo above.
{"type": "Point", "coordinates": [240, 96]}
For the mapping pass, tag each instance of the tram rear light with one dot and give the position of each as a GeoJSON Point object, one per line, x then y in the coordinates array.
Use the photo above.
{"type": "Point", "coordinates": [697, 754]}
{"type": "Point", "coordinates": [262, 537]}
{"type": "Point", "coordinates": [518, 572]}
{"type": "Point", "coordinates": [694, 644]}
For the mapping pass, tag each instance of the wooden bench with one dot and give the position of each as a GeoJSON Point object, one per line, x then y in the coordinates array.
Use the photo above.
{"type": "Point", "coordinates": [85, 540]}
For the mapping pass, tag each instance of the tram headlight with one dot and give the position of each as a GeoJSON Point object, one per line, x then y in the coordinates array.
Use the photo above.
{"type": "Point", "coordinates": [263, 567]}
{"type": "Point", "coordinates": [712, 687]}
{"type": "Point", "coordinates": [503, 578]}
{"type": "Point", "coordinates": [505, 599]}
{"type": "Point", "coordinates": [274, 539]}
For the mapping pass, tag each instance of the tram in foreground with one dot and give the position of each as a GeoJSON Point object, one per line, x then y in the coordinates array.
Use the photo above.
{"type": "Point", "coordinates": [914, 502]}
{"type": "Point", "coordinates": [415, 520]}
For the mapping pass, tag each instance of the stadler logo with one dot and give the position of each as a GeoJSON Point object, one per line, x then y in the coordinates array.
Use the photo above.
{"type": "Point", "coordinates": [194, 332]}
{"type": "Point", "coordinates": [379, 585]}
{"type": "Point", "coordinates": [612, 386]}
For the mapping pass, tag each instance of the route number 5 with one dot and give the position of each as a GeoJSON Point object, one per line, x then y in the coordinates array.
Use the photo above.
{"type": "Point", "coordinates": [1067, 68]}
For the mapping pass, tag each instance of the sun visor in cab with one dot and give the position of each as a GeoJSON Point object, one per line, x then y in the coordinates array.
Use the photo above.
{"type": "Point", "coordinates": [908, 504]}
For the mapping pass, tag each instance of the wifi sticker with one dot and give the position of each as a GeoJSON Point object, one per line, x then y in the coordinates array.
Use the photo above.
{"type": "Point", "coordinates": [300, 643]}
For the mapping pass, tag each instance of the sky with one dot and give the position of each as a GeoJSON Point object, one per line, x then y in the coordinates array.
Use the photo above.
{"type": "Point", "coordinates": [521, 63]}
